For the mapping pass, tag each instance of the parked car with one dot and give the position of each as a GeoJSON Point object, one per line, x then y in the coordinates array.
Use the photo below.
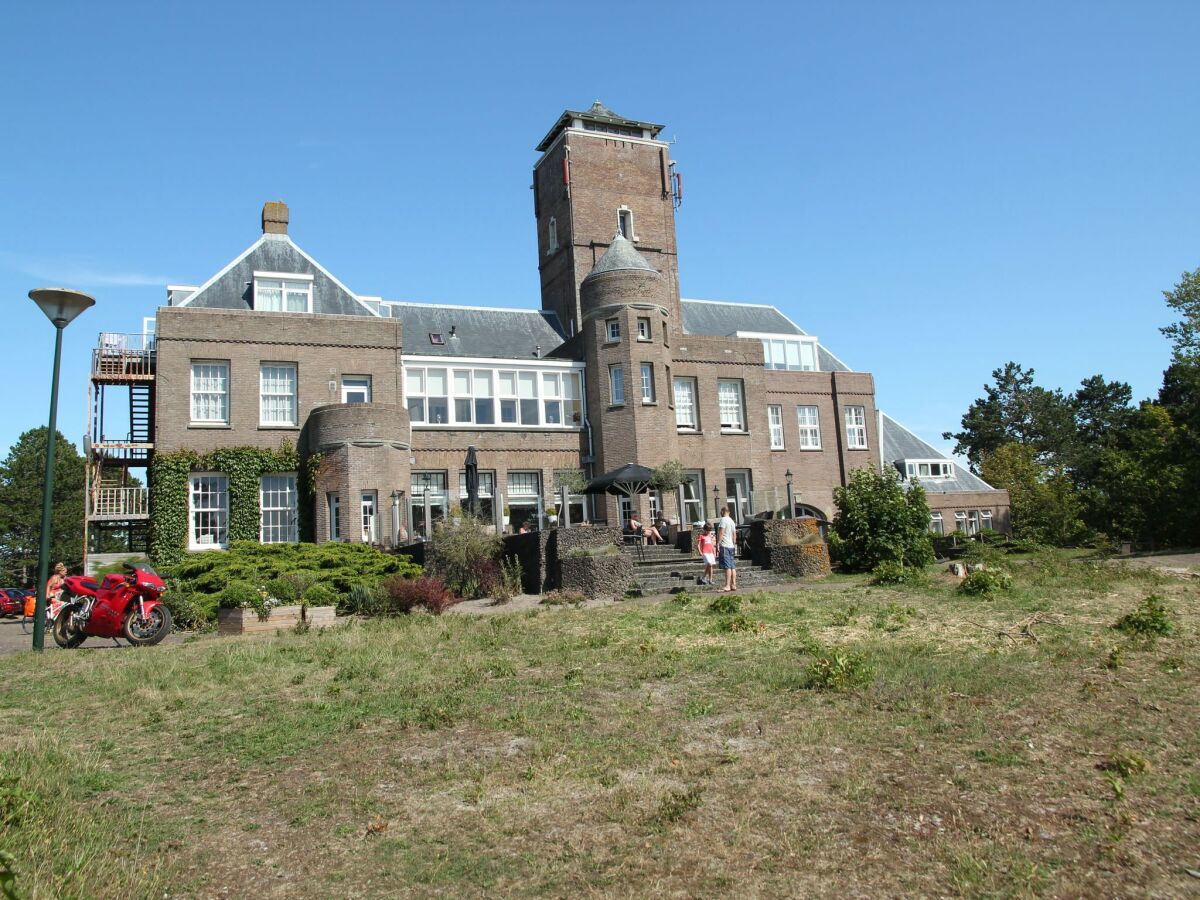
{"type": "Point", "coordinates": [12, 602]}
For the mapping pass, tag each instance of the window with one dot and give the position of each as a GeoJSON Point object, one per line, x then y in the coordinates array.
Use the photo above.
{"type": "Point", "coordinates": [428, 495]}
{"type": "Point", "coordinates": [935, 523]}
{"type": "Point", "coordinates": [524, 485]}
{"type": "Point", "coordinates": [692, 488]}
{"type": "Point", "coordinates": [552, 236]}
{"type": "Point", "coordinates": [685, 403]}
{"type": "Point", "coordinates": [928, 469]}
{"type": "Point", "coordinates": [973, 522]}
{"type": "Point", "coordinates": [647, 382]}
{"type": "Point", "coordinates": [356, 388]}
{"type": "Point", "coordinates": [490, 397]}
{"type": "Point", "coordinates": [625, 223]}
{"type": "Point", "coordinates": [856, 427]}
{"type": "Point", "coordinates": [370, 522]}
{"type": "Point", "coordinates": [775, 421]}
{"type": "Point", "coordinates": [277, 500]}
{"type": "Point", "coordinates": [279, 292]}
{"type": "Point", "coordinates": [612, 328]}
{"type": "Point", "coordinates": [810, 427]}
{"type": "Point", "coordinates": [209, 512]}
{"type": "Point", "coordinates": [335, 517]}
{"type": "Point", "coordinates": [487, 487]}
{"type": "Point", "coordinates": [210, 392]}
{"type": "Point", "coordinates": [985, 520]}
{"type": "Point", "coordinates": [437, 339]}
{"type": "Point", "coordinates": [277, 394]}
{"type": "Point", "coordinates": [616, 384]}
{"type": "Point", "coordinates": [791, 355]}
{"type": "Point", "coordinates": [729, 398]}
{"type": "Point", "coordinates": [643, 329]}
{"type": "Point", "coordinates": [960, 521]}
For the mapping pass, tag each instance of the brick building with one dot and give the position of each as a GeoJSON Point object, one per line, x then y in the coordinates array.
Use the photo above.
{"type": "Point", "coordinates": [614, 368]}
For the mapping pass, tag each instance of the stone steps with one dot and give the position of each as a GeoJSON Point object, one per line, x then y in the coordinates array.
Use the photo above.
{"type": "Point", "coordinates": [662, 570]}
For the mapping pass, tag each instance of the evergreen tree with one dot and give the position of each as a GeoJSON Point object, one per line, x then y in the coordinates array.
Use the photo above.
{"type": "Point", "coordinates": [22, 478]}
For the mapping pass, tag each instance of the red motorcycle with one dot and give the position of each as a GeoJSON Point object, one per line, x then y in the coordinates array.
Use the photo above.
{"type": "Point", "coordinates": [121, 606]}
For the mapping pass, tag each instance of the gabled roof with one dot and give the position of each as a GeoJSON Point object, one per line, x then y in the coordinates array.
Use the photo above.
{"type": "Point", "coordinates": [718, 318]}
{"type": "Point", "coordinates": [493, 333]}
{"type": "Point", "coordinates": [899, 443]}
{"type": "Point", "coordinates": [621, 254]}
{"type": "Point", "coordinates": [597, 112]}
{"type": "Point", "coordinates": [232, 287]}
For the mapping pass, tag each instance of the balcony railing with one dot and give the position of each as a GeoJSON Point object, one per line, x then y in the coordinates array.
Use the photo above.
{"type": "Point", "coordinates": [120, 503]}
{"type": "Point", "coordinates": [124, 356]}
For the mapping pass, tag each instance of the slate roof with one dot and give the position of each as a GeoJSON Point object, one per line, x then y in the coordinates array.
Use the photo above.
{"type": "Point", "coordinates": [721, 319]}
{"type": "Point", "coordinates": [232, 287]}
{"type": "Point", "coordinates": [597, 112]}
{"type": "Point", "coordinates": [621, 254]}
{"type": "Point", "coordinates": [900, 443]}
{"type": "Point", "coordinates": [489, 333]}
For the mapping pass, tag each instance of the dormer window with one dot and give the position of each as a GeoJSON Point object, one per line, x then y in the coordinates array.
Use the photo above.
{"type": "Point", "coordinates": [625, 223]}
{"type": "Point", "coordinates": [928, 468]}
{"type": "Point", "coordinates": [283, 292]}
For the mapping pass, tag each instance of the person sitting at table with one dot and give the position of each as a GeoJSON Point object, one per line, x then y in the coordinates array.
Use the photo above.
{"type": "Point", "coordinates": [650, 533]}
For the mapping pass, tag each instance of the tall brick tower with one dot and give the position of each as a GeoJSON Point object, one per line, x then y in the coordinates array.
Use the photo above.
{"type": "Point", "coordinates": [601, 174]}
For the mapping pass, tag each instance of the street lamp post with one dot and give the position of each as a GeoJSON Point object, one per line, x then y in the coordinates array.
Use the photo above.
{"type": "Point", "coordinates": [791, 501]}
{"type": "Point", "coordinates": [716, 501]}
{"type": "Point", "coordinates": [61, 306]}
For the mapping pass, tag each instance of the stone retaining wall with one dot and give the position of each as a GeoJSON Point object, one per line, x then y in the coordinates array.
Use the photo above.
{"type": "Point", "coordinates": [540, 552]}
{"type": "Point", "coordinates": [608, 575]}
{"type": "Point", "coordinates": [789, 546]}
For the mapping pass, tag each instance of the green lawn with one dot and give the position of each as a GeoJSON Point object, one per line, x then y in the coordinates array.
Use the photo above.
{"type": "Point", "coordinates": [648, 748]}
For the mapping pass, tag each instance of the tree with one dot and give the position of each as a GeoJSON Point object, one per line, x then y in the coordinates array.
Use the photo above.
{"type": "Point", "coordinates": [22, 479]}
{"type": "Point", "coordinates": [1015, 409]}
{"type": "Point", "coordinates": [1185, 334]}
{"type": "Point", "coordinates": [880, 520]}
{"type": "Point", "coordinates": [1044, 504]}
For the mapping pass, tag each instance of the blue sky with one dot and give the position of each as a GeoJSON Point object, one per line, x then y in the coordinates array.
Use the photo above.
{"type": "Point", "coordinates": [931, 188]}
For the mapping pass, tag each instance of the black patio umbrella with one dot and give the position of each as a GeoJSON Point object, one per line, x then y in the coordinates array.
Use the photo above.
{"type": "Point", "coordinates": [624, 482]}
{"type": "Point", "coordinates": [472, 467]}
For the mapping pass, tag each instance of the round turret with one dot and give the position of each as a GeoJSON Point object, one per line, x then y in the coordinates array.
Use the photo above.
{"type": "Point", "coordinates": [621, 277]}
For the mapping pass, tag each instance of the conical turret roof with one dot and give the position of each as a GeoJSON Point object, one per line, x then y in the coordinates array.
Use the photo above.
{"type": "Point", "coordinates": [621, 254]}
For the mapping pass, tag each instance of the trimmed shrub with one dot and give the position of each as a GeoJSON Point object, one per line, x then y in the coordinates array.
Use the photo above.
{"type": "Point", "coordinates": [320, 595]}
{"type": "Point", "coordinates": [283, 590]}
{"type": "Point", "coordinates": [427, 592]}
{"type": "Point", "coordinates": [985, 583]}
{"type": "Point", "coordinates": [896, 573]}
{"type": "Point", "coordinates": [190, 611]}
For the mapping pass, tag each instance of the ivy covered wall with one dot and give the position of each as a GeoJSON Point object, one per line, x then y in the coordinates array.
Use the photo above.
{"type": "Point", "coordinates": [243, 466]}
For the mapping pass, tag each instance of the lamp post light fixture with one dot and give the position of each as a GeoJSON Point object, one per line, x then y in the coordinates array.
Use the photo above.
{"type": "Point", "coordinates": [61, 307]}
{"type": "Point", "coordinates": [716, 501]}
{"type": "Point", "coordinates": [791, 500]}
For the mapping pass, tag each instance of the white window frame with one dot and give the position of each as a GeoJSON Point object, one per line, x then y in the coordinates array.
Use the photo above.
{"type": "Point", "coordinates": [960, 521]}
{"type": "Point", "coordinates": [612, 330]}
{"type": "Point", "coordinates": [369, 516]}
{"type": "Point", "coordinates": [856, 427]}
{"type": "Point", "coordinates": [219, 408]}
{"type": "Point", "coordinates": [625, 223]}
{"type": "Point", "coordinates": [218, 530]}
{"type": "Point", "coordinates": [290, 284]}
{"type": "Point", "coordinates": [810, 427]}
{"type": "Point", "coordinates": [353, 383]}
{"type": "Point", "coordinates": [278, 524]}
{"type": "Point", "coordinates": [616, 385]}
{"type": "Point", "coordinates": [335, 516]}
{"type": "Point", "coordinates": [530, 396]}
{"type": "Point", "coordinates": [730, 425]}
{"type": "Point", "coordinates": [933, 468]}
{"type": "Point", "coordinates": [647, 370]}
{"type": "Point", "coordinates": [985, 520]}
{"type": "Point", "coordinates": [552, 236]}
{"type": "Point", "coordinates": [524, 487]}
{"type": "Point", "coordinates": [787, 352]}
{"type": "Point", "coordinates": [292, 401]}
{"type": "Point", "coordinates": [686, 408]}
{"type": "Point", "coordinates": [775, 425]}
{"type": "Point", "coordinates": [644, 332]}
{"type": "Point", "coordinates": [937, 524]}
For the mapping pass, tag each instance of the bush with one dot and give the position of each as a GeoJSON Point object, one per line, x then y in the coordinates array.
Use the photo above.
{"type": "Point", "coordinates": [282, 590]}
{"type": "Point", "coordinates": [244, 595]}
{"type": "Point", "coordinates": [1152, 617]}
{"type": "Point", "coordinates": [725, 604]}
{"type": "Point", "coordinates": [320, 595]}
{"type": "Point", "coordinates": [406, 594]}
{"type": "Point", "coordinates": [190, 611]}
{"type": "Point", "coordinates": [896, 573]}
{"type": "Point", "coordinates": [463, 554]}
{"type": "Point", "coordinates": [986, 582]}
{"type": "Point", "coordinates": [838, 671]}
{"type": "Point", "coordinates": [365, 600]}
{"type": "Point", "coordinates": [509, 584]}
{"type": "Point", "coordinates": [880, 520]}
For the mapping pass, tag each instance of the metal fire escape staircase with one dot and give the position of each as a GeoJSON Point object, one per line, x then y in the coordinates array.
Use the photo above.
{"type": "Point", "coordinates": [119, 447]}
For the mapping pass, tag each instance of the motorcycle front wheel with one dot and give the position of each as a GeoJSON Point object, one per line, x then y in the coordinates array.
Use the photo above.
{"type": "Point", "coordinates": [64, 635]}
{"type": "Point", "coordinates": [150, 630]}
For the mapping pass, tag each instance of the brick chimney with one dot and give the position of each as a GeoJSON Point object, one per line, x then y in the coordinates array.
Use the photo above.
{"type": "Point", "coordinates": [275, 217]}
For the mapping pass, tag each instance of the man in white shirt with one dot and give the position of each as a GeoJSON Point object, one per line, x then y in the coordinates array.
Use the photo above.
{"type": "Point", "coordinates": [726, 545]}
